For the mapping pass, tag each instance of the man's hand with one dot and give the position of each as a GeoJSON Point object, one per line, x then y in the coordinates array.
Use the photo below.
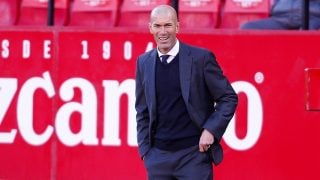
{"type": "Point", "coordinates": [206, 140]}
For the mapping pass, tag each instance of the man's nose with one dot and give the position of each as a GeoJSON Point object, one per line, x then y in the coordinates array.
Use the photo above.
{"type": "Point", "coordinates": [162, 29]}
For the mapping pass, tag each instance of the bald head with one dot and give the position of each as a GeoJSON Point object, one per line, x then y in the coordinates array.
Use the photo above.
{"type": "Point", "coordinates": [164, 10]}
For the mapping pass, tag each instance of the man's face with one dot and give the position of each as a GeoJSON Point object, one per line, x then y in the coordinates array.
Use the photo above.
{"type": "Point", "coordinates": [164, 29]}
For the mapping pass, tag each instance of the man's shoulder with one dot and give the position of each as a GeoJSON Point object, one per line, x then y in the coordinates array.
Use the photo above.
{"type": "Point", "coordinates": [147, 54]}
{"type": "Point", "coordinates": [195, 49]}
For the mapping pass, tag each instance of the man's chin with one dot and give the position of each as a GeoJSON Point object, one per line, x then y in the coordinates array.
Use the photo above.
{"type": "Point", "coordinates": [163, 50]}
{"type": "Point", "coordinates": [163, 47]}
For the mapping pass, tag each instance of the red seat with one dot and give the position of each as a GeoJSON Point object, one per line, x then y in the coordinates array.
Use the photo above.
{"type": "Point", "coordinates": [35, 12]}
{"type": "Point", "coordinates": [136, 13]}
{"type": "Point", "coordinates": [199, 13]}
{"type": "Point", "coordinates": [9, 10]}
{"type": "Point", "coordinates": [94, 13]}
{"type": "Point", "coordinates": [237, 12]}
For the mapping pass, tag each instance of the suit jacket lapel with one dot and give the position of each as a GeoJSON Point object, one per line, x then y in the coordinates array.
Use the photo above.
{"type": "Point", "coordinates": [151, 84]}
{"type": "Point", "coordinates": [185, 65]}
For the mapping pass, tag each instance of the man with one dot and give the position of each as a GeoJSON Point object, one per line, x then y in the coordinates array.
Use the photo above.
{"type": "Point", "coordinates": [287, 14]}
{"type": "Point", "coordinates": [183, 102]}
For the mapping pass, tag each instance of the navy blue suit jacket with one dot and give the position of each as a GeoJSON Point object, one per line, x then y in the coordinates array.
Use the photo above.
{"type": "Point", "coordinates": [208, 95]}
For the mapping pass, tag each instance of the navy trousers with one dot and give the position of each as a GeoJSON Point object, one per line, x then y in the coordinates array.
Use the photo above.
{"type": "Point", "coordinates": [186, 164]}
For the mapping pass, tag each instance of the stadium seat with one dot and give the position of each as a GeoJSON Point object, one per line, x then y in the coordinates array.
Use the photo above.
{"type": "Point", "coordinates": [9, 10]}
{"type": "Point", "coordinates": [136, 13]}
{"type": "Point", "coordinates": [237, 12]}
{"type": "Point", "coordinates": [35, 12]}
{"type": "Point", "coordinates": [94, 13]}
{"type": "Point", "coordinates": [199, 13]}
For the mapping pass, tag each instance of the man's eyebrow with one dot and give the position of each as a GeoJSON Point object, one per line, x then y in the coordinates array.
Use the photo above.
{"type": "Point", "coordinates": [166, 24]}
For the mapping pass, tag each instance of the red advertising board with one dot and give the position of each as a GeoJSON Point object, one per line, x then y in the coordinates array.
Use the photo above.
{"type": "Point", "coordinates": [25, 108]}
{"type": "Point", "coordinates": [67, 103]}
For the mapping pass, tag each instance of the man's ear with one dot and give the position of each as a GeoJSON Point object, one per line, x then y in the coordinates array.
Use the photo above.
{"type": "Point", "coordinates": [150, 27]}
{"type": "Point", "coordinates": [177, 27]}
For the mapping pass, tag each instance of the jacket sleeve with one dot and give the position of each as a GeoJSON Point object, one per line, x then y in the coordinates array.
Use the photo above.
{"type": "Point", "coordinates": [225, 98]}
{"type": "Point", "coordinates": [142, 115]}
